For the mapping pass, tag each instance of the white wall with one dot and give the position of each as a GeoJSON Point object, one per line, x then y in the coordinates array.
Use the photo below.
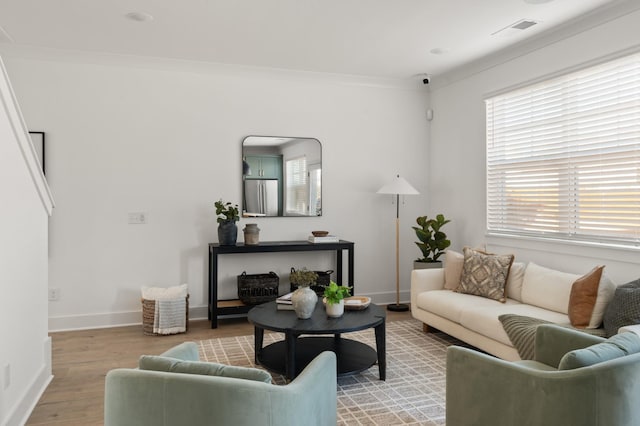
{"type": "Point", "coordinates": [457, 174]}
{"type": "Point", "coordinates": [127, 137]}
{"type": "Point", "coordinates": [25, 348]}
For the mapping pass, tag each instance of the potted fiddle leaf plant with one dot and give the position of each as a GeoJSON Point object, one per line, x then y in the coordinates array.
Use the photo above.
{"type": "Point", "coordinates": [334, 295]}
{"type": "Point", "coordinates": [433, 242]}
{"type": "Point", "coordinates": [228, 215]}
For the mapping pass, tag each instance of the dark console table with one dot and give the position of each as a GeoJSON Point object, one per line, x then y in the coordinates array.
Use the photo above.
{"type": "Point", "coordinates": [235, 306]}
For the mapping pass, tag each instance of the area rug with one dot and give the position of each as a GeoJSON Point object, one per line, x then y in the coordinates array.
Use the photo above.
{"type": "Point", "coordinates": [413, 394]}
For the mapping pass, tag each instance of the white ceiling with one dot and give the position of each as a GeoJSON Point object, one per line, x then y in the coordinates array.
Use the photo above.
{"type": "Point", "coordinates": [381, 38]}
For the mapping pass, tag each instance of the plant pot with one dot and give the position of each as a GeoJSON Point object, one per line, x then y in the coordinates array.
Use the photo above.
{"type": "Point", "coordinates": [227, 233]}
{"type": "Point", "coordinates": [304, 302]}
{"type": "Point", "coordinates": [335, 310]}
{"type": "Point", "coordinates": [427, 265]}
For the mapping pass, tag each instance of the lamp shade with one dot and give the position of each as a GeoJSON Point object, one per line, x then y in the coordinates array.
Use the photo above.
{"type": "Point", "coordinates": [398, 186]}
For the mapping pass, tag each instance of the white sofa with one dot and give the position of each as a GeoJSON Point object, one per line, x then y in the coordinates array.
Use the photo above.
{"type": "Point", "coordinates": [531, 290]}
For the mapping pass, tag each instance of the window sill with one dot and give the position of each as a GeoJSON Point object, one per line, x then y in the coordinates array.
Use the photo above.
{"type": "Point", "coordinates": [598, 250]}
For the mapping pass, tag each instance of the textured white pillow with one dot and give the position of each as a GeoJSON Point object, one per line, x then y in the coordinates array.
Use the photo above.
{"type": "Point", "coordinates": [514, 282]}
{"type": "Point", "coordinates": [547, 288]}
{"type": "Point", "coordinates": [453, 263]}
{"type": "Point", "coordinates": [161, 293]}
{"type": "Point", "coordinates": [606, 290]}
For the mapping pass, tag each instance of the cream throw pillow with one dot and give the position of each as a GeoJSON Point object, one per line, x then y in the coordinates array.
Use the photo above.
{"type": "Point", "coordinates": [547, 288]}
{"type": "Point", "coordinates": [514, 282]}
{"type": "Point", "coordinates": [606, 290]}
{"type": "Point", "coordinates": [453, 263]}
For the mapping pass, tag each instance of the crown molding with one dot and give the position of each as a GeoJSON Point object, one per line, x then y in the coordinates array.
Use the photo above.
{"type": "Point", "coordinates": [12, 50]}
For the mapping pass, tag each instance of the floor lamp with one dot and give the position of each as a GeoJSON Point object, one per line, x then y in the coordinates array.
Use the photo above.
{"type": "Point", "coordinates": [398, 187]}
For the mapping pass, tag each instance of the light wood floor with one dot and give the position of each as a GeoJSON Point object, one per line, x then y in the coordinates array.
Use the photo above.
{"type": "Point", "coordinates": [81, 359]}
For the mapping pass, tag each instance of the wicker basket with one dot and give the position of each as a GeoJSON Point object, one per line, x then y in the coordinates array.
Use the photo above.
{"type": "Point", "coordinates": [254, 289]}
{"type": "Point", "coordinates": [148, 314]}
{"type": "Point", "coordinates": [324, 277]}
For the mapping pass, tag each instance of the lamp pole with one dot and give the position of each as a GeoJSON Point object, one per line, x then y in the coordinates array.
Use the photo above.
{"type": "Point", "coordinates": [398, 307]}
{"type": "Point", "coordinates": [398, 187]}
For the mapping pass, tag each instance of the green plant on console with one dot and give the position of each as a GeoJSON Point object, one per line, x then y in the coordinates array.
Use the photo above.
{"type": "Point", "coordinates": [433, 241]}
{"type": "Point", "coordinates": [303, 277]}
{"type": "Point", "coordinates": [226, 212]}
{"type": "Point", "coordinates": [335, 293]}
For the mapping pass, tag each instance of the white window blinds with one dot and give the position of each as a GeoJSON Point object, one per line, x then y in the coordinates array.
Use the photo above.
{"type": "Point", "coordinates": [563, 156]}
{"type": "Point", "coordinates": [297, 186]}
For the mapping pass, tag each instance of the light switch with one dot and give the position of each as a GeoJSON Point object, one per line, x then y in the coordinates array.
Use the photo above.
{"type": "Point", "coordinates": [137, 218]}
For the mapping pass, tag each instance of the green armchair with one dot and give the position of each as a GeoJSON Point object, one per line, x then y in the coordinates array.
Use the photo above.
{"type": "Point", "coordinates": [165, 398]}
{"type": "Point", "coordinates": [575, 379]}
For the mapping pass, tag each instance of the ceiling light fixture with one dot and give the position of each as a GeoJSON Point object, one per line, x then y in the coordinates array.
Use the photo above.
{"type": "Point", "coordinates": [537, 1]}
{"type": "Point", "coordinates": [440, 50]}
{"type": "Point", "coordinates": [139, 16]}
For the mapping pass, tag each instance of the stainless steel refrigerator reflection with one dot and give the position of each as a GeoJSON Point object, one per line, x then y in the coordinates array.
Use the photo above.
{"type": "Point", "coordinates": [261, 196]}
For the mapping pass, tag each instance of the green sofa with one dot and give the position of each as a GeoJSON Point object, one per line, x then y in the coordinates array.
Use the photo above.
{"type": "Point", "coordinates": [165, 398]}
{"type": "Point", "coordinates": [575, 379]}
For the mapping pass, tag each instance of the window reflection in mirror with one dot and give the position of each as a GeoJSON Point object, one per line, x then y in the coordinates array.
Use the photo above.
{"type": "Point", "coordinates": [281, 176]}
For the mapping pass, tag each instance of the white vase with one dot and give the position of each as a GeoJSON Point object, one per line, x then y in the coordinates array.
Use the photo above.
{"type": "Point", "coordinates": [304, 302]}
{"type": "Point", "coordinates": [335, 310]}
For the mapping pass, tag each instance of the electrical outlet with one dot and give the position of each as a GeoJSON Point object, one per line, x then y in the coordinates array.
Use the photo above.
{"type": "Point", "coordinates": [137, 218]}
{"type": "Point", "coordinates": [54, 294]}
{"type": "Point", "coordinates": [7, 376]}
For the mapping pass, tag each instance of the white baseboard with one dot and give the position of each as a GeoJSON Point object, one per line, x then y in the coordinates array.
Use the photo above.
{"type": "Point", "coordinates": [389, 297]}
{"type": "Point", "coordinates": [121, 319]}
{"type": "Point", "coordinates": [22, 410]}
{"type": "Point", "coordinates": [108, 320]}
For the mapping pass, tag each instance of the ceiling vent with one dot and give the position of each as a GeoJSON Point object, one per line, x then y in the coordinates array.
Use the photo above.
{"type": "Point", "coordinates": [4, 36]}
{"type": "Point", "coordinates": [515, 28]}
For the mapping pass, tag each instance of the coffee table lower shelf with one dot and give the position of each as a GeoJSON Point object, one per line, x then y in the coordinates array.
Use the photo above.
{"type": "Point", "coordinates": [353, 357]}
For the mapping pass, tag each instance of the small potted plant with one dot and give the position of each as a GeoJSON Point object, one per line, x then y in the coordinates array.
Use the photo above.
{"type": "Point", "coordinates": [334, 295]}
{"type": "Point", "coordinates": [227, 218]}
{"type": "Point", "coordinates": [432, 242]}
{"type": "Point", "coordinates": [302, 277]}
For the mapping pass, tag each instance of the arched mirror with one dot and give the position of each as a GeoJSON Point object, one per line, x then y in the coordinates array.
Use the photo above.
{"type": "Point", "coordinates": [281, 176]}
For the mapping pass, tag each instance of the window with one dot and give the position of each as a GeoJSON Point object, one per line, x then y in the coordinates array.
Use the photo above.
{"type": "Point", "coordinates": [297, 186]}
{"type": "Point", "coordinates": [315, 189]}
{"type": "Point", "coordinates": [563, 156]}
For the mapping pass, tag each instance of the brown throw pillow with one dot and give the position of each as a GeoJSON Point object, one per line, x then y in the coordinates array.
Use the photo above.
{"type": "Point", "coordinates": [584, 292]}
{"type": "Point", "coordinates": [485, 274]}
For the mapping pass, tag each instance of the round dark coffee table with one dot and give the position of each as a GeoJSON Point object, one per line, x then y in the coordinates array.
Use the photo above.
{"type": "Point", "coordinates": [291, 355]}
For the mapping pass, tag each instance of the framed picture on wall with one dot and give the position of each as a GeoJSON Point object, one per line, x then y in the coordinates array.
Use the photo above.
{"type": "Point", "coordinates": [38, 143]}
